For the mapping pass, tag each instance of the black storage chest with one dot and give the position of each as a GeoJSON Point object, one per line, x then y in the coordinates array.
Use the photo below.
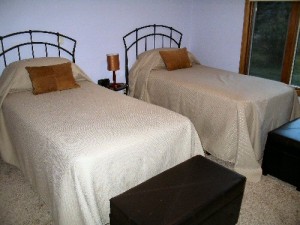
{"type": "Point", "coordinates": [197, 191]}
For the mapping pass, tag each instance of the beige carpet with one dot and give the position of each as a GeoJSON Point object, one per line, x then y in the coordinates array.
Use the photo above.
{"type": "Point", "coordinates": [269, 202]}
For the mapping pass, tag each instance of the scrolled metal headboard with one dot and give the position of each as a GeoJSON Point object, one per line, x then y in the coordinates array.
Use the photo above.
{"type": "Point", "coordinates": [30, 41]}
{"type": "Point", "coordinates": [161, 35]}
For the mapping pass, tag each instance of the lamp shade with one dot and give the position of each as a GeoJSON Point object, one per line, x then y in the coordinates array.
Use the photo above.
{"type": "Point", "coordinates": [113, 62]}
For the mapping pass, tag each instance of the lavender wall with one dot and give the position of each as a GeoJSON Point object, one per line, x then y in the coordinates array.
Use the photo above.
{"type": "Point", "coordinates": [211, 30]}
{"type": "Point", "coordinates": [216, 33]}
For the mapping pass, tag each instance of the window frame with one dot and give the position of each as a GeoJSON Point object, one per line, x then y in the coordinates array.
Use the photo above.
{"type": "Point", "coordinates": [290, 46]}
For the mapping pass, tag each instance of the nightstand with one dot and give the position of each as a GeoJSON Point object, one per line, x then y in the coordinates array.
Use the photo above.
{"type": "Point", "coordinates": [118, 87]}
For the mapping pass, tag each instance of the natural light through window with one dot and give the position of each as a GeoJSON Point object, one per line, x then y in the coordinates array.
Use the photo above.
{"type": "Point", "coordinates": [268, 39]}
{"type": "Point", "coordinates": [270, 45]}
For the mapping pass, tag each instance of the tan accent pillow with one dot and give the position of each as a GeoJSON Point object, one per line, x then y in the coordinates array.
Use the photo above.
{"type": "Point", "coordinates": [51, 78]}
{"type": "Point", "coordinates": [176, 59]}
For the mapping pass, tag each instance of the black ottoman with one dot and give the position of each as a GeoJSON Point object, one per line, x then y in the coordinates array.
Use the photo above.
{"type": "Point", "coordinates": [282, 153]}
{"type": "Point", "coordinates": [197, 191]}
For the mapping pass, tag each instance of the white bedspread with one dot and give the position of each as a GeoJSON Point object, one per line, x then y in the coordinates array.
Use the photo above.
{"type": "Point", "coordinates": [80, 147]}
{"type": "Point", "coordinates": [231, 112]}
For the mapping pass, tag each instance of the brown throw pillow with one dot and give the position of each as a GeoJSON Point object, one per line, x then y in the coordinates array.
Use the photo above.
{"type": "Point", "coordinates": [176, 59]}
{"type": "Point", "coordinates": [51, 78]}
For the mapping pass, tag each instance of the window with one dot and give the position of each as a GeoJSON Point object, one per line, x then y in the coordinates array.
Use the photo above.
{"type": "Point", "coordinates": [271, 43]}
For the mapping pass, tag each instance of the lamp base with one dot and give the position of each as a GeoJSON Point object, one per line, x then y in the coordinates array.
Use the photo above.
{"type": "Point", "coordinates": [114, 85]}
{"type": "Point", "coordinates": [117, 86]}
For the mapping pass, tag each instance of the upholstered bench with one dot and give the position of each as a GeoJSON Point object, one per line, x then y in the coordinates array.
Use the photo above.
{"type": "Point", "coordinates": [282, 153]}
{"type": "Point", "coordinates": [197, 191]}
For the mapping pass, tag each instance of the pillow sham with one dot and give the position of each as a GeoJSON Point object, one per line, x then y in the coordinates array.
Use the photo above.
{"type": "Point", "coordinates": [51, 78]}
{"type": "Point", "coordinates": [176, 59]}
{"type": "Point", "coordinates": [19, 77]}
{"type": "Point", "coordinates": [152, 56]}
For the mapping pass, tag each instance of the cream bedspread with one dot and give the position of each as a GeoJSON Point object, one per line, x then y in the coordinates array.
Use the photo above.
{"type": "Point", "coordinates": [232, 113]}
{"type": "Point", "coordinates": [80, 147]}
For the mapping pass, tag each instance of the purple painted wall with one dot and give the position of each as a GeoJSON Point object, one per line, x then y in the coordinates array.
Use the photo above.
{"type": "Point", "coordinates": [217, 32]}
{"type": "Point", "coordinates": [211, 30]}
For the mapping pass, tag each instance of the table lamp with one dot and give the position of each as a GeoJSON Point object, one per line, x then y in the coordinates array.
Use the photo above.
{"type": "Point", "coordinates": [113, 64]}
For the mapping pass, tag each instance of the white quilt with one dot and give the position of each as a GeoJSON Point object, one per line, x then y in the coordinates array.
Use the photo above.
{"type": "Point", "coordinates": [80, 147]}
{"type": "Point", "coordinates": [232, 113]}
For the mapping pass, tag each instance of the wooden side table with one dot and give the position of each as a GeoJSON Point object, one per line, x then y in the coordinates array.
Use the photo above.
{"type": "Point", "coordinates": [118, 87]}
{"type": "Point", "coordinates": [115, 87]}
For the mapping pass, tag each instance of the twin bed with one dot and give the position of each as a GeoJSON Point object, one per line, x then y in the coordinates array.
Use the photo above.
{"type": "Point", "coordinates": [232, 113]}
{"type": "Point", "coordinates": [76, 148]}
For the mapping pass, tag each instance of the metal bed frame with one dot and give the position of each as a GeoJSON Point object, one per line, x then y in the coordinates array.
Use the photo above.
{"type": "Point", "coordinates": [32, 42]}
{"type": "Point", "coordinates": [162, 35]}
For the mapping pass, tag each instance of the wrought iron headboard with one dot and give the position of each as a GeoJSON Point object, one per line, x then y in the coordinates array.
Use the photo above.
{"type": "Point", "coordinates": [165, 35]}
{"type": "Point", "coordinates": [30, 41]}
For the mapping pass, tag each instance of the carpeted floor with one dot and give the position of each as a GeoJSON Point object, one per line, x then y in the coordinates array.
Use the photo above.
{"type": "Point", "coordinates": [269, 202]}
